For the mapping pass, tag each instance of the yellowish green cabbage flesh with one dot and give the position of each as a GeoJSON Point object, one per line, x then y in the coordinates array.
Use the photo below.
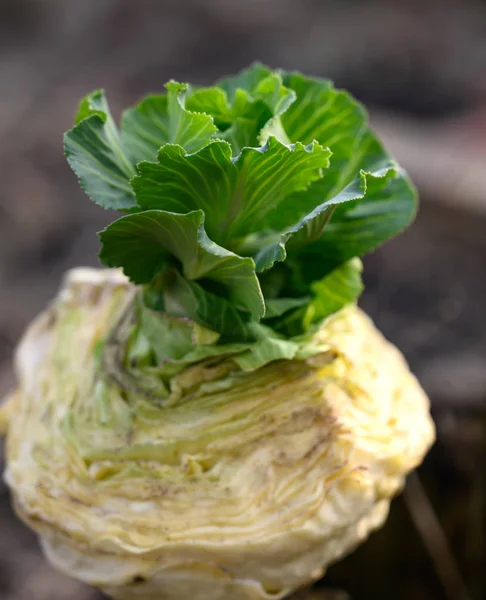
{"type": "Point", "coordinates": [238, 486]}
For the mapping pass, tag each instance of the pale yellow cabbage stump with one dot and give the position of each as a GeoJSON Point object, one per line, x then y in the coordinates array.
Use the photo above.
{"type": "Point", "coordinates": [243, 486]}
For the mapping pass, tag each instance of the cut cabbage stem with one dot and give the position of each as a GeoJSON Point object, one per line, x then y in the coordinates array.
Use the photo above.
{"type": "Point", "coordinates": [246, 481]}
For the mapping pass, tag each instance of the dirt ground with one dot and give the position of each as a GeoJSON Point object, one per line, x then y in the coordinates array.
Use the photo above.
{"type": "Point", "coordinates": [426, 289]}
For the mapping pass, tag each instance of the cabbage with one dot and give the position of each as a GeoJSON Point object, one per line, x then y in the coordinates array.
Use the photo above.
{"type": "Point", "coordinates": [213, 417]}
{"type": "Point", "coordinates": [236, 484]}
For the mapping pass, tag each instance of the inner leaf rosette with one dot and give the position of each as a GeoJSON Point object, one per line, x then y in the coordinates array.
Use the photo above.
{"type": "Point", "coordinates": [249, 202]}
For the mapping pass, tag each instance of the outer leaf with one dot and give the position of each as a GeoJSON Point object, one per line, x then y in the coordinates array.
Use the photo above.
{"type": "Point", "coordinates": [269, 255]}
{"type": "Point", "coordinates": [175, 341]}
{"type": "Point", "coordinates": [173, 338]}
{"type": "Point", "coordinates": [104, 160]}
{"type": "Point", "coordinates": [342, 286]}
{"type": "Point", "coordinates": [265, 351]}
{"type": "Point", "coordinates": [95, 153]}
{"type": "Point", "coordinates": [359, 227]}
{"type": "Point", "coordinates": [310, 228]}
{"type": "Point", "coordinates": [236, 194]}
{"type": "Point", "coordinates": [189, 299]}
{"type": "Point", "coordinates": [143, 243]}
{"type": "Point", "coordinates": [162, 119]}
{"type": "Point", "coordinates": [333, 118]}
{"type": "Point", "coordinates": [277, 307]}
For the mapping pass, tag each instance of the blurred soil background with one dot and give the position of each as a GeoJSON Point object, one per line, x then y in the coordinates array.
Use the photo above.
{"type": "Point", "coordinates": [421, 69]}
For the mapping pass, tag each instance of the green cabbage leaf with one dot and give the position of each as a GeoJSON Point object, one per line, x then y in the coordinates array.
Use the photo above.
{"type": "Point", "coordinates": [249, 205]}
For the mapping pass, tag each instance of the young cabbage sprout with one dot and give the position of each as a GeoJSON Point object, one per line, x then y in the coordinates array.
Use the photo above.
{"type": "Point", "coordinates": [213, 417]}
